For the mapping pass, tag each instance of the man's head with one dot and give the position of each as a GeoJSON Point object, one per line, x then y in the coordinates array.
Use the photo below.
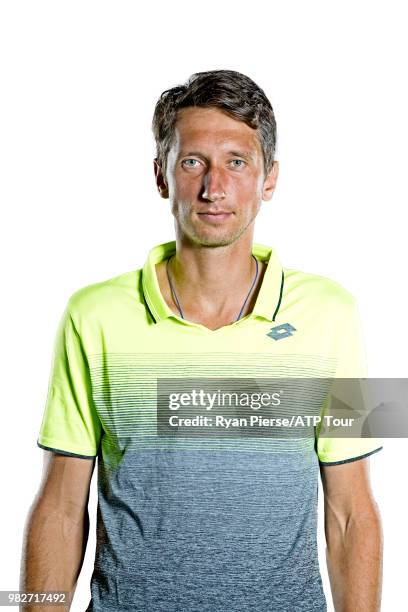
{"type": "Point", "coordinates": [216, 141]}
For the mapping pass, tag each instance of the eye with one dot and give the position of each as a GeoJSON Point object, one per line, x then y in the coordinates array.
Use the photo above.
{"type": "Point", "coordinates": [237, 163]}
{"type": "Point", "coordinates": [190, 163]}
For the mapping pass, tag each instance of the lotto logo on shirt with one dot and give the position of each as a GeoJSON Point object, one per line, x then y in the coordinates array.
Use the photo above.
{"type": "Point", "coordinates": [281, 331]}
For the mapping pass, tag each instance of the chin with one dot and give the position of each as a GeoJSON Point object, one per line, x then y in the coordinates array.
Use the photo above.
{"type": "Point", "coordinates": [203, 235]}
{"type": "Point", "coordinates": [214, 240]}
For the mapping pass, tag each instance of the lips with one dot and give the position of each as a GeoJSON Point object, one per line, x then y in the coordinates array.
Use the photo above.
{"type": "Point", "coordinates": [215, 212]}
{"type": "Point", "coordinates": [219, 215]}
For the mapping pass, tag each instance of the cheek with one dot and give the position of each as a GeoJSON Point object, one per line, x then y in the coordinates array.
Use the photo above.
{"type": "Point", "coordinates": [258, 188]}
{"type": "Point", "coordinates": [183, 186]}
{"type": "Point", "coordinates": [182, 196]}
{"type": "Point", "coordinates": [249, 188]}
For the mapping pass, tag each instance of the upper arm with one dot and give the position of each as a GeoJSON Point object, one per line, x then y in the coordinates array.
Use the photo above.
{"type": "Point", "coordinates": [65, 484]}
{"type": "Point", "coordinates": [347, 492]}
{"type": "Point", "coordinates": [70, 423]}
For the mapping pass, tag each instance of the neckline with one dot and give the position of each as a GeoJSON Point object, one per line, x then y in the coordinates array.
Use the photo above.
{"type": "Point", "coordinates": [239, 317]}
{"type": "Point", "coordinates": [266, 304]}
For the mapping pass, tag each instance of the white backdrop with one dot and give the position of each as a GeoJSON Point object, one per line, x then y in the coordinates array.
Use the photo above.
{"type": "Point", "coordinates": [79, 82]}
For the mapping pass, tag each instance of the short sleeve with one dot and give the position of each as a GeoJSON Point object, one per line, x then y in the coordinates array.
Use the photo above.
{"type": "Point", "coordinates": [351, 363]}
{"type": "Point", "coordinates": [70, 423]}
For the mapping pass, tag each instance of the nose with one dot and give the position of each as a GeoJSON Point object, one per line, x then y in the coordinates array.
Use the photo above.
{"type": "Point", "coordinates": [213, 186]}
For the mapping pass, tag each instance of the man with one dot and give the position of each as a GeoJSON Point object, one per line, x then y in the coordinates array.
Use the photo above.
{"type": "Point", "coordinates": [203, 523]}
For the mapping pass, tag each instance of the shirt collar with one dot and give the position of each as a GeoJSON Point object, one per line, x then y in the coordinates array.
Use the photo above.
{"type": "Point", "coordinates": [269, 296]}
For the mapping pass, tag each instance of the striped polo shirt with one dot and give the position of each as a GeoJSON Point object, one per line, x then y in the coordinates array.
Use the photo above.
{"type": "Point", "coordinates": [216, 523]}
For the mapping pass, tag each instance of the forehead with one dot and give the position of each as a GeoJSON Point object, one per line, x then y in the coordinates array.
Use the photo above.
{"type": "Point", "coordinates": [212, 127]}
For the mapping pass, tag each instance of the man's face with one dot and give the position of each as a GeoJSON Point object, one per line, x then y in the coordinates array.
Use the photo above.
{"type": "Point", "coordinates": [215, 177]}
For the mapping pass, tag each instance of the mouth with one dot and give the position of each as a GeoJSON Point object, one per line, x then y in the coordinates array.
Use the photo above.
{"type": "Point", "coordinates": [218, 215]}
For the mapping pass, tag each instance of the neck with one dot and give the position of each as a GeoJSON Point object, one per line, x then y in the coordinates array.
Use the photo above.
{"type": "Point", "coordinates": [211, 283]}
{"type": "Point", "coordinates": [212, 274]}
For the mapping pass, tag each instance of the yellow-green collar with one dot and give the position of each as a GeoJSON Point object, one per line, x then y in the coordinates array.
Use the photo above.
{"type": "Point", "coordinates": [269, 296]}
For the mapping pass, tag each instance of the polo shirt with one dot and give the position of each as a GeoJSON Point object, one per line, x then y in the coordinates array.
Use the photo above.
{"type": "Point", "coordinates": [189, 523]}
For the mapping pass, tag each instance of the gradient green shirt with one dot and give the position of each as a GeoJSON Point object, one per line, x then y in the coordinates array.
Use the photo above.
{"type": "Point", "coordinates": [199, 524]}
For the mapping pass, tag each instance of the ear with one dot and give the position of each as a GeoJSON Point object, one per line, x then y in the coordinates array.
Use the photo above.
{"type": "Point", "coordinates": [270, 182]}
{"type": "Point", "coordinates": [160, 179]}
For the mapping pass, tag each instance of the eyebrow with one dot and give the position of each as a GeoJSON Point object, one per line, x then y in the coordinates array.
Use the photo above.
{"type": "Point", "coordinates": [243, 154]}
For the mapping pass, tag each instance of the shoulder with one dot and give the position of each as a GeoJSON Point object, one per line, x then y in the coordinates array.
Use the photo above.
{"type": "Point", "coordinates": [317, 291]}
{"type": "Point", "coordinates": [112, 293]}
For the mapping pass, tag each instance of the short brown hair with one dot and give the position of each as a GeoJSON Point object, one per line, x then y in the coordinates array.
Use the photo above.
{"type": "Point", "coordinates": [233, 92]}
